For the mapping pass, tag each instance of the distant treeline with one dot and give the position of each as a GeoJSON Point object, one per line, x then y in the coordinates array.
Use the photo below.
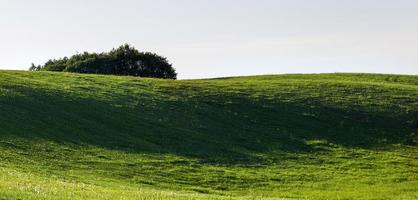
{"type": "Point", "coordinates": [124, 60]}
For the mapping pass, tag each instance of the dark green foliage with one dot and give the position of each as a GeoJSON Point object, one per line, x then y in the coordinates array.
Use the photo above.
{"type": "Point", "coordinates": [34, 67]}
{"type": "Point", "coordinates": [125, 60]}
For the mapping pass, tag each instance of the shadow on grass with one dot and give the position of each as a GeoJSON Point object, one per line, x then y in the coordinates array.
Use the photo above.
{"type": "Point", "coordinates": [219, 129]}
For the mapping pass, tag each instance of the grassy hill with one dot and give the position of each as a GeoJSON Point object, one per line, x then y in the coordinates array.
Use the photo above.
{"type": "Point", "coordinates": [323, 136]}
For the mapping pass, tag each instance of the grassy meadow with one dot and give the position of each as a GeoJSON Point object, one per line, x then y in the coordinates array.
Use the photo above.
{"type": "Point", "coordinates": [313, 136]}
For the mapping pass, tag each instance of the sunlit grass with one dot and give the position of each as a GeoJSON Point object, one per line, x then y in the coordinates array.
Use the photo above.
{"type": "Point", "coordinates": [327, 136]}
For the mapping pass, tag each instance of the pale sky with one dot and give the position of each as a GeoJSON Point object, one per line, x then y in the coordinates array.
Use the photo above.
{"type": "Point", "coordinates": [215, 38]}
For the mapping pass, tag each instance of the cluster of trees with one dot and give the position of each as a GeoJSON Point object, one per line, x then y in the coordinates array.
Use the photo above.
{"type": "Point", "coordinates": [124, 60]}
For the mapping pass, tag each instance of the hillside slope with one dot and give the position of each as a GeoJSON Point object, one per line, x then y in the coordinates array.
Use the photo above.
{"type": "Point", "coordinates": [321, 136]}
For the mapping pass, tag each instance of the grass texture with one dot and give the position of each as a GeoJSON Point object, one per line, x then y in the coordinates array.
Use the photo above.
{"type": "Point", "coordinates": [313, 136]}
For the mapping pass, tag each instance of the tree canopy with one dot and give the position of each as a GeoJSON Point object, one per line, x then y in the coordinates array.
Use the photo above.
{"type": "Point", "coordinates": [124, 60]}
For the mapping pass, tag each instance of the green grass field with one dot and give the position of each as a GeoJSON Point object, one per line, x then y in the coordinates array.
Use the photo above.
{"type": "Point", "coordinates": [323, 136]}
